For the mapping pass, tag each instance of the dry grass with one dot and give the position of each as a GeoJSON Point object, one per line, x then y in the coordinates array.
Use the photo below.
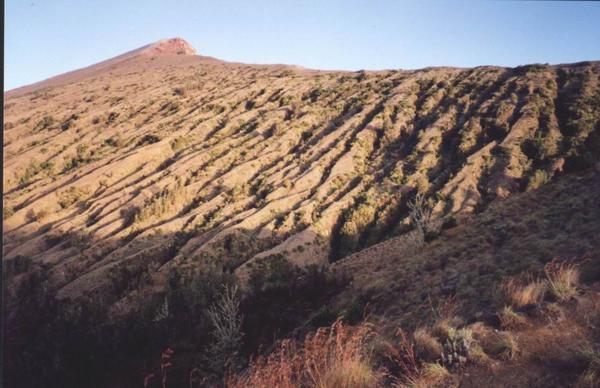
{"type": "Point", "coordinates": [508, 346]}
{"type": "Point", "coordinates": [431, 375]}
{"type": "Point", "coordinates": [562, 280]}
{"type": "Point", "coordinates": [415, 372]}
{"type": "Point", "coordinates": [502, 344]}
{"type": "Point", "coordinates": [525, 295]}
{"type": "Point", "coordinates": [443, 328]}
{"type": "Point", "coordinates": [426, 345]}
{"type": "Point", "coordinates": [405, 358]}
{"type": "Point", "coordinates": [331, 357]}
{"type": "Point", "coordinates": [512, 320]}
{"type": "Point", "coordinates": [354, 373]}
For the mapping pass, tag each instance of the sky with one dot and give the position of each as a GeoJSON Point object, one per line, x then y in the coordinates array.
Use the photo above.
{"type": "Point", "coordinates": [44, 38]}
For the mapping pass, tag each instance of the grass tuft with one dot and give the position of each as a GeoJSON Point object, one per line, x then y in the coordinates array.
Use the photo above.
{"type": "Point", "coordinates": [562, 280]}
{"type": "Point", "coordinates": [426, 345]}
{"type": "Point", "coordinates": [511, 319]}
{"type": "Point", "coordinates": [525, 295]}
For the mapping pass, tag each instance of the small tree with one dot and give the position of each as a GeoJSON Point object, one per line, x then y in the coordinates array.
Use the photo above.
{"type": "Point", "coordinates": [421, 217]}
{"type": "Point", "coordinates": [226, 320]}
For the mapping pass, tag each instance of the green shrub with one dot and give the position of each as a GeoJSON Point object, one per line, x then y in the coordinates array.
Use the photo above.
{"type": "Point", "coordinates": [112, 117]}
{"type": "Point", "coordinates": [179, 91]}
{"type": "Point", "coordinates": [68, 122]}
{"type": "Point", "coordinates": [115, 141]}
{"type": "Point", "coordinates": [71, 196]}
{"type": "Point", "coordinates": [539, 178]}
{"type": "Point", "coordinates": [161, 203]}
{"type": "Point", "coordinates": [7, 212]}
{"type": "Point", "coordinates": [148, 139]}
{"type": "Point", "coordinates": [33, 170]}
{"type": "Point", "coordinates": [82, 156]}
{"type": "Point", "coordinates": [45, 123]}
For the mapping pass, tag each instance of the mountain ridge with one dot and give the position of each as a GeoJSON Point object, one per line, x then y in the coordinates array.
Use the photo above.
{"type": "Point", "coordinates": [181, 44]}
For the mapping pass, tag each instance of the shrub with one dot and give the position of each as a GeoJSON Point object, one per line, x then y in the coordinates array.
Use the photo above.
{"type": "Point", "coordinates": [539, 178]}
{"type": "Point", "coordinates": [68, 122]}
{"type": "Point", "coordinates": [44, 123]}
{"type": "Point", "coordinates": [148, 139]}
{"type": "Point", "coordinates": [115, 141]}
{"type": "Point", "coordinates": [33, 170]}
{"type": "Point", "coordinates": [112, 117]}
{"type": "Point", "coordinates": [39, 215]}
{"type": "Point", "coordinates": [81, 157]}
{"type": "Point", "coordinates": [161, 203]}
{"type": "Point", "coordinates": [179, 91]}
{"type": "Point", "coordinates": [421, 217]}
{"type": "Point", "coordinates": [80, 240]}
{"type": "Point", "coordinates": [226, 322]}
{"type": "Point", "coordinates": [562, 280]}
{"type": "Point", "coordinates": [71, 196]}
{"type": "Point", "coordinates": [7, 212]}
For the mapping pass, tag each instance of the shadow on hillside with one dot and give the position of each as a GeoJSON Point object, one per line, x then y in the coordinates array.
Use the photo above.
{"type": "Point", "coordinates": [112, 332]}
{"type": "Point", "coordinates": [95, 316]}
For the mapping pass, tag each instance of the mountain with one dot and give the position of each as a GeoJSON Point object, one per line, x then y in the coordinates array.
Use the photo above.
{"type": "Point", "coordinates": [173, 46]}
{"type": "Point", "coordinates": [158, 163]}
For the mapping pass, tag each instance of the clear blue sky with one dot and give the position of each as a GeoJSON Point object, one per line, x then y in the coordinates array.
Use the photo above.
{"type": "Point", "coordinates": [47, 37]}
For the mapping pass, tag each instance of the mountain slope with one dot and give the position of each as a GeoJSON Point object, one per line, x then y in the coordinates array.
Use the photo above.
{"type": "Point", "coordinates": [174, 46]}
{"type": "Point", "coordinates": [160, 161]}
{"type": "Point", "coordinates": [245, 161]}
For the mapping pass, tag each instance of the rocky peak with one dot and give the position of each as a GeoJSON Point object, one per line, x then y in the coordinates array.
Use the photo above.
{"type": "Point", "coordinates": [174, 46]}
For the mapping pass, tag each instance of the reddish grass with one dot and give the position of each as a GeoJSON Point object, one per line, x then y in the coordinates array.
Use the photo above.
{"type": "Point", "coordinates": [404, 356]}
{"type": "Point", "coordinates": [165, 364]}
{"type": "Point", "coordinates": [336, 356]}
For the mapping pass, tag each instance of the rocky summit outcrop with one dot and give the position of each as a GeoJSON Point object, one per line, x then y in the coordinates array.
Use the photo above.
{"type": "Point", "coordinates": [175, 161]}
{"type": "Point", "coordinates": [174, 46]}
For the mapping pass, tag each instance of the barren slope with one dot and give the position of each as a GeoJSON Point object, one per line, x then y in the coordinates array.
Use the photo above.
{"type": "Point", "coordinates": [162, 161]}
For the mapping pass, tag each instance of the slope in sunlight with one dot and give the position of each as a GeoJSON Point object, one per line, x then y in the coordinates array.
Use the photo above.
{"type": "Point", "coordinates": [176, 160]}
{"type": "Point", "coordinates": [125, 177]}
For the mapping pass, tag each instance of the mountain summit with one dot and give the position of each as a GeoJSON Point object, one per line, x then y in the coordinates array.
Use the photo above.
{"type": "Point", "coordinates": [173, 46]}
